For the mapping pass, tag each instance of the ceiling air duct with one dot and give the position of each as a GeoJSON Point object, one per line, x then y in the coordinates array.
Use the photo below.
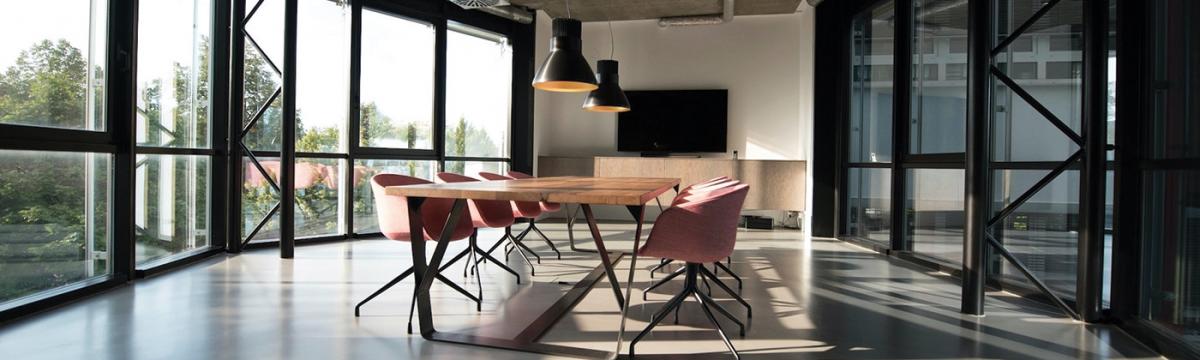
{"type": "Point", "coordinates": [725, 16]}
{"type": "Point", "coordinates": [499, 8]}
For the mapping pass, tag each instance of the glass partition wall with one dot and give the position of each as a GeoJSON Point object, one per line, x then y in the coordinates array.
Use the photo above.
{"type": "Point", "coordinates": [1016, 102]}
{"type": "Point", "coordinates": [116, 164]}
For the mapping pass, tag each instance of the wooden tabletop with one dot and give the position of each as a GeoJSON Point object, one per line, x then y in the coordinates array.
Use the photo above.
{"type": "Point", "coordinates": [564, 189]}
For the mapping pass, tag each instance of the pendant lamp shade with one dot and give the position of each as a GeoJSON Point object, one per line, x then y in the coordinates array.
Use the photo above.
{"type": "Point", "coordinates": [565, 69]}
{"type": "Point", "coordinates": [608, 97]}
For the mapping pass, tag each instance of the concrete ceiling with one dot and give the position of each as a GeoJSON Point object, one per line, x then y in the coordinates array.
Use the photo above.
{"type": "Point", "coordinates": [601, 10]}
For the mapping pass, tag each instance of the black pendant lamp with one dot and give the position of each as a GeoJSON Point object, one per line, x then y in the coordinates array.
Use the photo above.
{"type": "Point", "coordinates": [608, 97]}
{"type": "Point", "coordinates": [565, 69]}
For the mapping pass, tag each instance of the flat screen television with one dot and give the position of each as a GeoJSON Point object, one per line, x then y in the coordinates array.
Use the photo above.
{"type": "Point", "coordinates": [673, 121]}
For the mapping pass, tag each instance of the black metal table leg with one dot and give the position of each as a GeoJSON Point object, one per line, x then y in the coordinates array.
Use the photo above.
{"type": "Point", "coordinates": [427, 272]}
{"type": "Point", "coordinates": [608, 266]}
{"type": "Point", "coordinates": [638, 213]}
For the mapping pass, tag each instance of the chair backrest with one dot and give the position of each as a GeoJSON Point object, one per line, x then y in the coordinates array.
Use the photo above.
{"type": "Point", "coordinates": [392, 211]}
{"type": "Point", "coordinates": [702, 229]}
{"type": "Point", "coordinates": [492, 213]}
{"type": "Point", "coordinates": [518, 175]}
{"type": "Point", "coordinates": [699, 188]}
{"type": "Point", "coordinates": [524, 209]}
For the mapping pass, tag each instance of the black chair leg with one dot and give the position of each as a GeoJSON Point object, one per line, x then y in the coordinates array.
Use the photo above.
{"type": "Point", "coordinates": [722, 285]}
{"type": "Point", "coordinates": [484, 256]}
{"type": "Point", "coordinates": [517, 245]}
{"type": "Point", "coordinates": [464, 292]}
{"type": "Point", "coordinates": [708, 313]}
{"type": "Point", "coordinates": [533, 225]}
{"type": "Point", "coordinates": [662, 314]}
{"type": "Point", "coordinates": [389, 285]}
{"type": "Point", "coordinates": [725, 268]}
{"type": "Point", "coordinates": [455, 259]}
{"type": "Point", "coordinates": [663, 281]}
{"type": "Point", "coordinates": [519, 240]}
{"type": "Point", "coordinates": [661, 264]}
{"type": "Point", "coordinates": [708, 301]}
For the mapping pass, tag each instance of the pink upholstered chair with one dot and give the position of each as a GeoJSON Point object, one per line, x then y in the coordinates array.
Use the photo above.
{"type": "Point", "coordinates": [698, 230]}
{"type": "Point", "coordinates": [489, 214]}
{"type": "Point", "coordinates": [528, 210]}
{"type": "Point", "coordinates": [691, 192]}
{"type": "Point", "coordinates": [392, 212]}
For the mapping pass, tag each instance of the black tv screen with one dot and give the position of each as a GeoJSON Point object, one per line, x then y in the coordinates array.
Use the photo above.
{"type": "Point", "coordinates": [665, 121]}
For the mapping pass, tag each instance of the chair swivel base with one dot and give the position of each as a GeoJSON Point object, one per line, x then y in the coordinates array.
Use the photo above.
{"type": "Point", "coordinates": [691, 273]}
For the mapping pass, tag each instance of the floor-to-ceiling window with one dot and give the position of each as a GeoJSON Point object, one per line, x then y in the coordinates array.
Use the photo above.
{"type": "Point", "coordinates": [868, 181]}
{"type": "Point", "coordinates": [173, 129]}
{"type": "Point", "coordinates": [1044, 61]}
{"type": "Point", "coordinates": [478, 100]}
{"type": "Point", "coordinates": [56, 172]}
{"type": "Point", "coordinates": [380, 87]}
{"type": "Point", "coordinates": [1170, 254]}
{"type": "Point", "coordinates": [936, 127]}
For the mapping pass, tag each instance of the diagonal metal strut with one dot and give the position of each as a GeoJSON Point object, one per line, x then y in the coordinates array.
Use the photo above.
{"type": "Point", "coordinates": [1062, 305]}
{"type": "Point", "coordinates": [1043, 182]}
{"type": "Point", "coordinates": [1037, 105]}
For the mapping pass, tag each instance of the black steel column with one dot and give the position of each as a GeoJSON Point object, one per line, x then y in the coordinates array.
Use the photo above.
{"type": "Point", "coordinates": [121, 92]}
{"type": "Point", "coordinates": [220, 187]}
{"type": "Point", "coordinates": [439, 94]}
{"type": "Point", "coordinates": [901, 115]}
{"type": "Point", "coordinates": [237, 58]}
{"type": "Point", "coordinates": [355, 99]}
{"type": "Point", "coordinates": [1089, 279]}
{"type": "Point", "coordinates": [1132, 83]}
{"type": "Point", "coordinates": [978, 173]}
{"type": "Point", "coordinates": [287, 197]}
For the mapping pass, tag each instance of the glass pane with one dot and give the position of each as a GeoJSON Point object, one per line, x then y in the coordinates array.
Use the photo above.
{"type": "Point", "coordinates": [939, 107]}
{"type": "Point", "coordinates": [318, 188]}
{"type": "Point", "coordinates": [396, 109]}
{"type": "Point", "coordinates": [317, 184]}
{"type": "Point", "coordinates": [478, 84]}
{"type": "Point", "coordinates": [1175, 65]}
{"type": "Point", "coordinates": [1050, 74]}
{"type": "Point", "coordinates": [52, 57]}
{"type": "Point", "coordinates": [323, 82]}
{"type": "Point", "coordinates": [364, 198]}
{"type": "Point", "coordinates": [871, 85]}
{"type": "Point", "coordinates": [1171, 252]}
{"type": "Point", "coordinates": [53, 220]}
{"type": "Point", "coordinates": [935, 212]}
{"type": "Point", "coordinates": [173, 88]}
{"type": "Point", "coordinates": [170, 205]}
{"type": "Point", "coordinates": [472, 168]}
{"type": "Point", "coordinates": [1042, 233]}
{"type": "Point", "coordinates": [262, 78]}
{"type": "Point", "coordinates": [869, 204]}
{"type": "Point", "coordinates": [258, 198]}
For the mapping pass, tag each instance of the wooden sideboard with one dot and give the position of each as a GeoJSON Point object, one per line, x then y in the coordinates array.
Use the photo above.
{"type": "Point", "coordinates": [774, 184]}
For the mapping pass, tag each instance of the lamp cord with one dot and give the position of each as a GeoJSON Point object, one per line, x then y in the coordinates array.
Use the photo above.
{"type": "Point", "coordinates": [612, 41]}
{"type": "Point", "coordinates": [569, 9]}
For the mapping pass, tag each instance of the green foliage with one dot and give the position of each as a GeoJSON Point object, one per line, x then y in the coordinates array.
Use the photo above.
{"type": "Point", "coordinates": [46, 86]}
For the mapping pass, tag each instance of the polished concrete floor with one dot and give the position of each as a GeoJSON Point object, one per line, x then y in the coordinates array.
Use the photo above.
{"type": "Point", "coordinates": [812, 298]}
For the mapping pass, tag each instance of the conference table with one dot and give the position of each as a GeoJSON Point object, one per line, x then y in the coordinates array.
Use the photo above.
{"type": "Point", "coordinates": [631, 192]}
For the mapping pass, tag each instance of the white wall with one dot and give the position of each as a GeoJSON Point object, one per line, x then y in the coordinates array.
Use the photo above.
{"type": "Point", "coordinates": [764, 61]}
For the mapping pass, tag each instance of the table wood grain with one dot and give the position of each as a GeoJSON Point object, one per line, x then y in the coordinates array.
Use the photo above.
{"type": "Point", "coordinates": [562, 189]}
